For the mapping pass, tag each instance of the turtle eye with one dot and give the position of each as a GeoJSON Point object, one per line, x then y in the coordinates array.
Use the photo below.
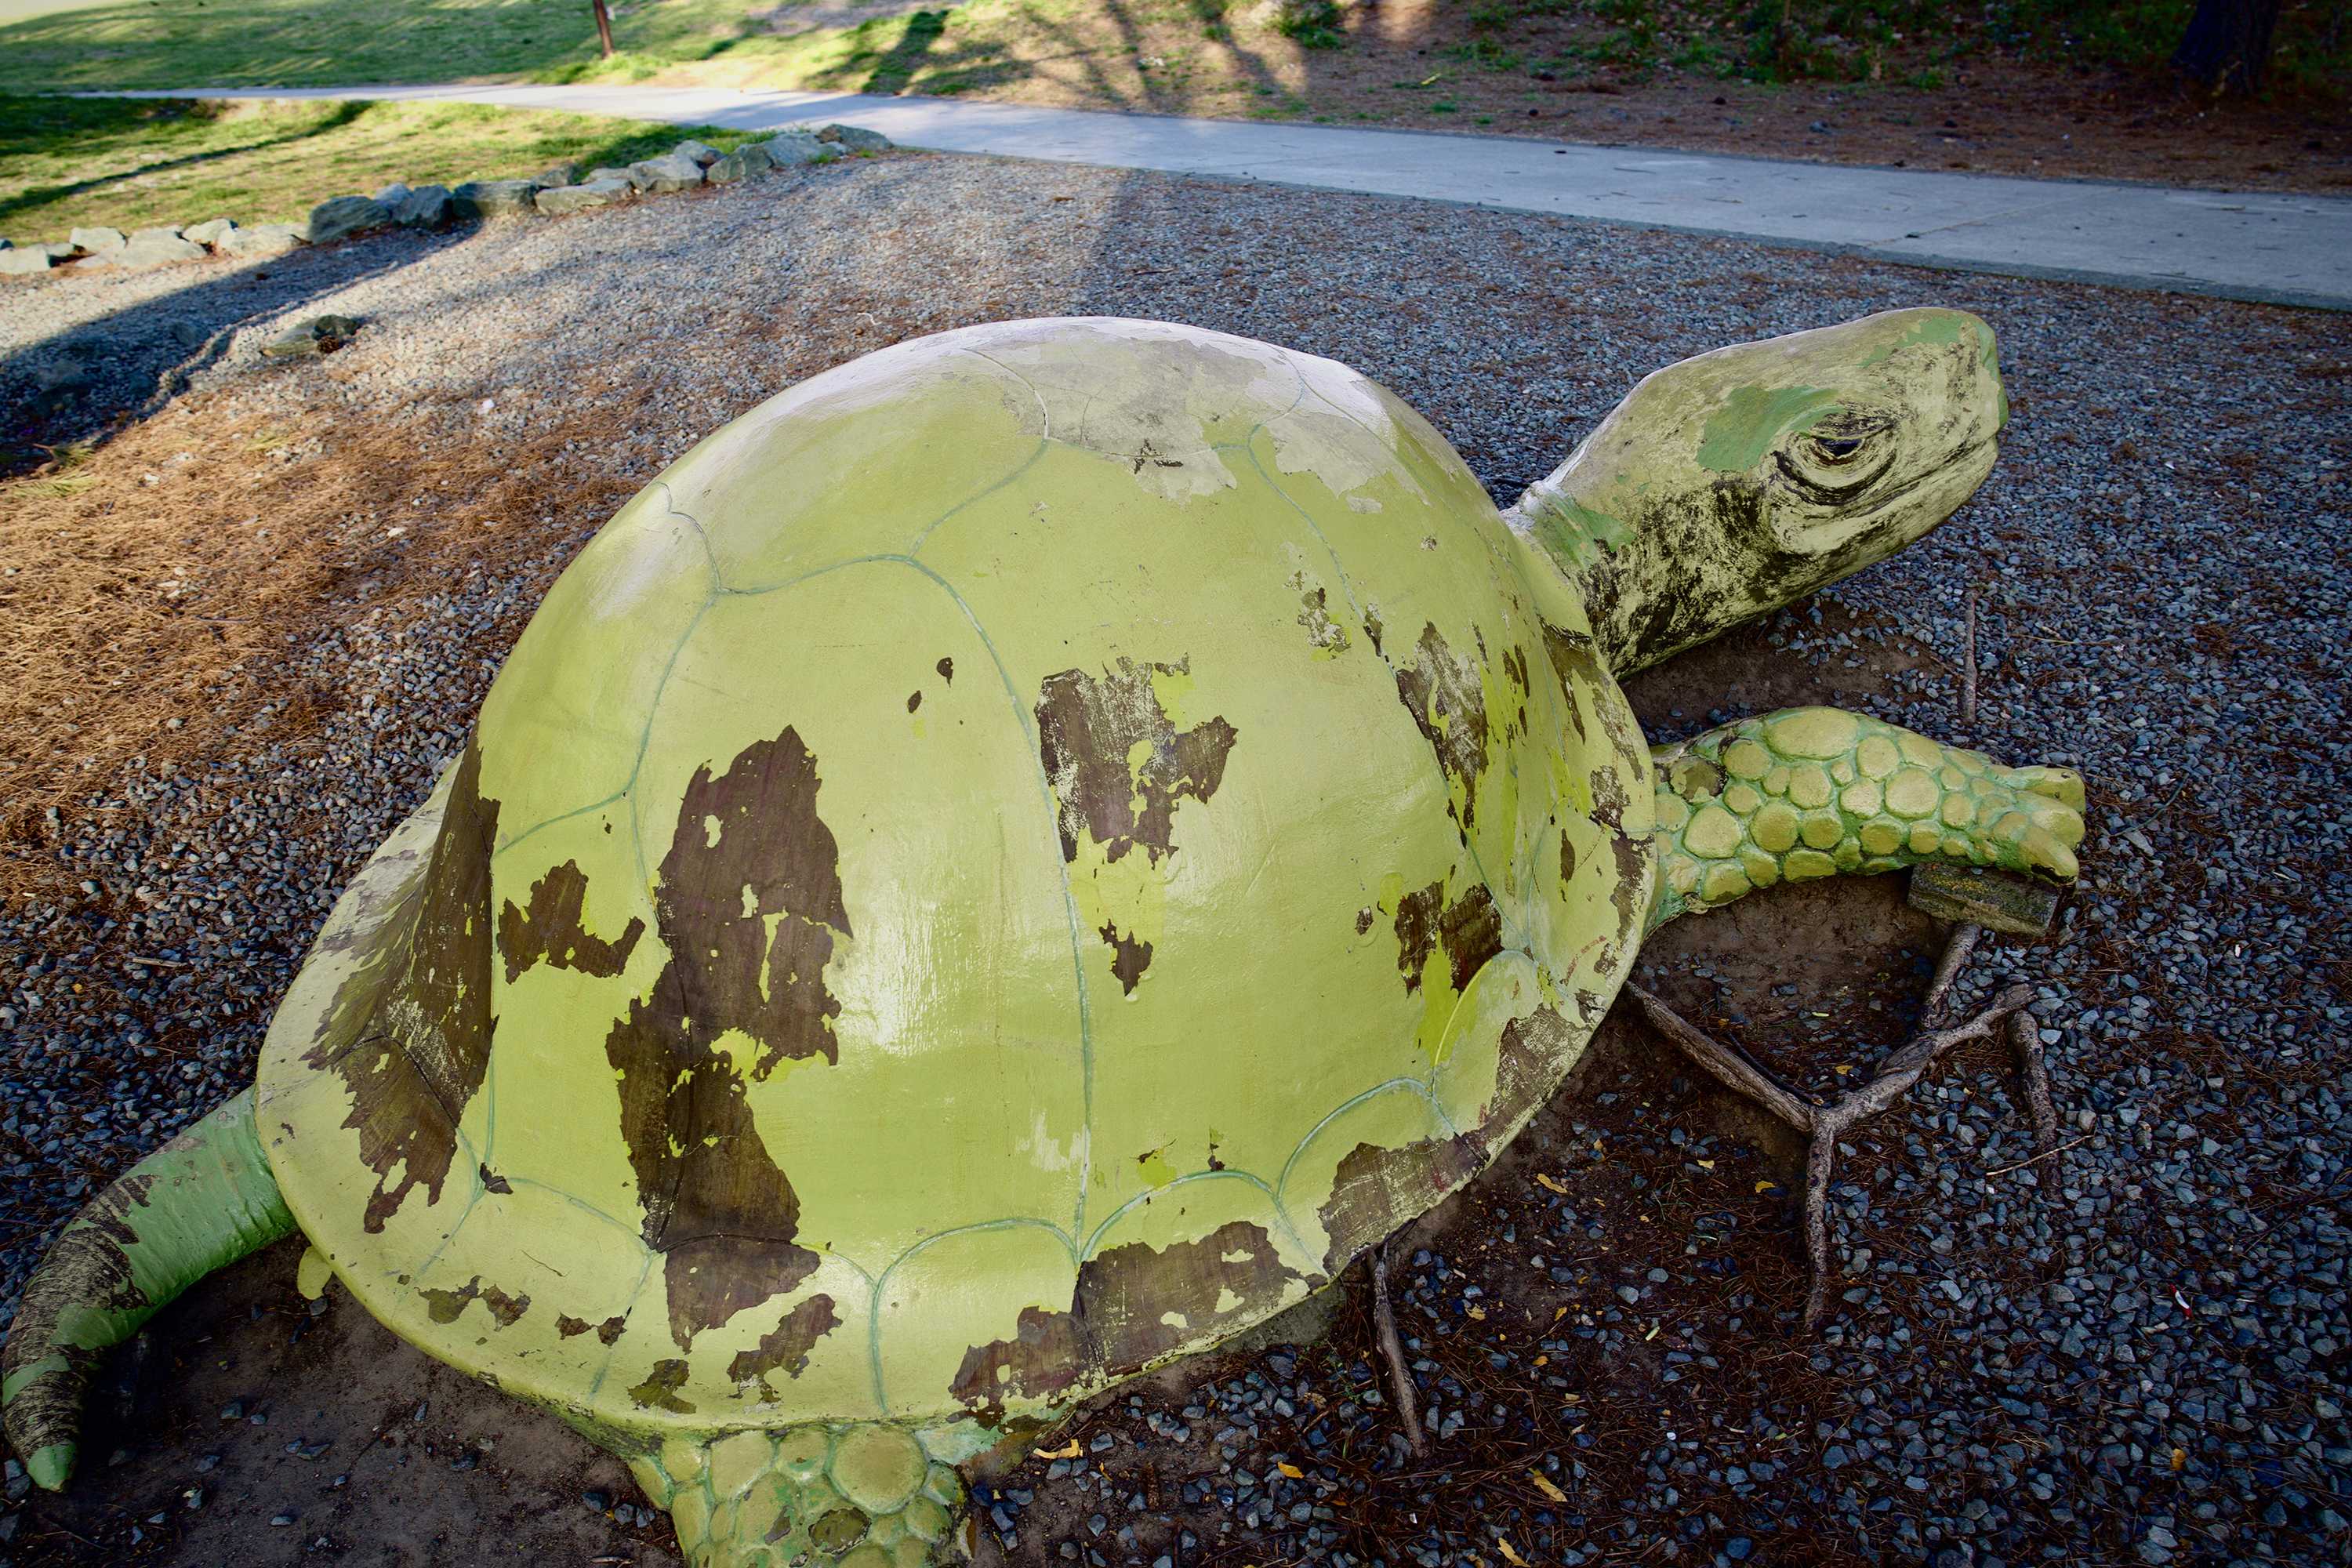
{"type": "Point", "coordinates": [1839, 457]}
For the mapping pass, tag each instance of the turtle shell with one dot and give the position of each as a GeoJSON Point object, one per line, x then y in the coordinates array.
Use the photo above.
{"type": "Point", "coordinates": [1012, 861]}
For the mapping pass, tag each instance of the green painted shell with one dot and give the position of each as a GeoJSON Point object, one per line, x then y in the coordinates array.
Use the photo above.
{"type": "Point", "coordinates": [1012, 862]}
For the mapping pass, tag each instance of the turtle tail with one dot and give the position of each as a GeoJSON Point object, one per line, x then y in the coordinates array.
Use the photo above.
{"type": "Point", "coordinates": [860, 1494]}
{"type": "Point", "coordinates": [201, 1200]}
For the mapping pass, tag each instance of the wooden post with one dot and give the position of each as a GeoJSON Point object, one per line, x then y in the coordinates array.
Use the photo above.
{"type": "Point", "coordinates": [603, 27]}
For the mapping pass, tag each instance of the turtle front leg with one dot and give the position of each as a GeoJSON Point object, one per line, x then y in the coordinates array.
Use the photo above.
{"type": "Point", "coordinates": [1812, 791]}
{"type": "Point", "coordinates": [864, 1494]}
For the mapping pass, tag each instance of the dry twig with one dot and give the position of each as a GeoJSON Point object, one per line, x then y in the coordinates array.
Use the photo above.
{"type": "Point", "coordinates": [1824, 1125]}
{"type": "Point", "coordinates": [1969, 663]}
{"type": "Point", "coordinates": [1407, 1398]}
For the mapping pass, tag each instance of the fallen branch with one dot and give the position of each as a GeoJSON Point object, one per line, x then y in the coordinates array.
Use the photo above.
{"type": "Point", "coordinates": [1825, 1125]}
{"type": "Point", "coordinates": [1969, 663]}
{"type": "Point", "coordinates": [2025, 1039]}
{"type": "Point", "coordinates": [1408, 1398]}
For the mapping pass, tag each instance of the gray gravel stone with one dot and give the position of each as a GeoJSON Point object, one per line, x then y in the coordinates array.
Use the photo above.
{"type": "Point", "coordinates": [670, 171]}
{"type": "Point", "coordinates": [425, 206]}
{"type": "Point", "coordinates": [579, 198]}
{"type": "Point", "coordinates": [263, 240]}
{"type": "Point", "coordinates": [342, 217]}
{"type": "Point", "coordinates": [32, 259]}
{"type": "Point", "coordinates": [495, 199]}
{"type": "Point", "coordinates": [791, 149]}
{"type": "Point", "coordinates": [854, 138]}
{"type": "Point", "coordinates": [744, 163]}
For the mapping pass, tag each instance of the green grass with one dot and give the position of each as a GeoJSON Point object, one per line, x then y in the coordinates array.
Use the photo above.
{"type": "Point", "coordinates": [317, 43]}
{"type": "Point", "coordinates": [130, 163]}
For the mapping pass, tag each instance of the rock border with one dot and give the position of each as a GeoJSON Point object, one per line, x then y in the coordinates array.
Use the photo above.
{"type": "Point", "coordinates": [556, 192]}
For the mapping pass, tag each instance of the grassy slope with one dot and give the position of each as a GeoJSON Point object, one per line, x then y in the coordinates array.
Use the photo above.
{"type": "Point", "coordinates": [65, 162]}
{"type": "Point", "coordinates": [1108, 48]}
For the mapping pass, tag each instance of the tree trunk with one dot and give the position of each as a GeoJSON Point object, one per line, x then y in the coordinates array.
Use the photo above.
{"type": "Point", "coordinates": [605, 25]}
{"type": "Point", "coordinates": [2228, 43]}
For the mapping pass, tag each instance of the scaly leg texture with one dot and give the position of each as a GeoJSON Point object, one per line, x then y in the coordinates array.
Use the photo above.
{"type": "Point", "coordinates": [1811, 791]}
{"type": "Point", "coordinates": [199, 1203]}
{"type": "Point", "coordinates": [861, 1494]}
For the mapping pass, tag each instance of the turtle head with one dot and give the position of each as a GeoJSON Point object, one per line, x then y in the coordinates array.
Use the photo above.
{"type": "Point", "coordinates": [1728, 485]}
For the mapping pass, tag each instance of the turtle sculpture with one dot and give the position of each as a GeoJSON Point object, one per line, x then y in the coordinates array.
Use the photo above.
{"type": "Point", "coordinates": [1016, 860]}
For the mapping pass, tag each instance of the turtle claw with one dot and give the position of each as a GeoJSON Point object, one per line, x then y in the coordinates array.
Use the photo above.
{"type": "Point", "coordinates": [2063, 785]}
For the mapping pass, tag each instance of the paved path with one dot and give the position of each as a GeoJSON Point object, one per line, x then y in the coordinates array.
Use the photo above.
{"type": "Point", "coordinates": [2290, 249]}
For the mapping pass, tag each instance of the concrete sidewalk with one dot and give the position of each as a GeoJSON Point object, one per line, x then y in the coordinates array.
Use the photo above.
{"type": "Point", "coordinates": [2286, 249]}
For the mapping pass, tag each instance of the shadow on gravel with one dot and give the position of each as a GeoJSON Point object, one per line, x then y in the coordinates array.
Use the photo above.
{"type": "Point", "coordinates": [83, 383]}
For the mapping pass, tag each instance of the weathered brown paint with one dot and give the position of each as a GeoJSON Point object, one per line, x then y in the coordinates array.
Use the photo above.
{"type": "Point", "coordinates": [1442, 690]}
{"type": "Point", "coordinates": [446, 1305]}
{"type": "Point", "coordinates": [1116, 1322]}
{"type": "Point", "coordinates": [1089, 728]}
{"type": "Point", "coordinates": [1470, 929]}
{"type": "Point", "coordinates": [749, 846]}
{"type": "Point", "coordinates": [420, 1058]}
{"type": "Point", "coordinates": [786, 1347]}
{"type": "Point", "coordinates": [551, 929]}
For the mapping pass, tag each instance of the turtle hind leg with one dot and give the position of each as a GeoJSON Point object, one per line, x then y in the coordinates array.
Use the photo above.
{"type": "Point", "coordinates": [201, 1200]}
{"type": "Point", "coordinates": [862, 1494]}
{"type": "Point", "coordinates": [1814, 792]}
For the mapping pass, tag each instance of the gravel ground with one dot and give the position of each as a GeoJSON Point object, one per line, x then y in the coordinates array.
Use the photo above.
{"type": "Point", "coordinates": [2134, 1351]}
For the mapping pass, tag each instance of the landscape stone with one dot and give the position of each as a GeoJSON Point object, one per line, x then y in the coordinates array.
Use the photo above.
{"type": "Point", "coordinates": [212, 231]}
{"type": "Point", "coordinates": [563, 199]}
{"type": "Point", "coordinates": [263, 240]}
{"type": "Point", "coordinates": [495, 198]}
{"type": "Point", "coordinates": [556, 174]}
{"type": "Point", "coordinates": [97, 241]}
{"type": "Point", "coordinates": [156, 246]}
{"type": "Point", "coordinates": [854, 138]}
{"type": "Point", "coordinates": [744, 163]}
{"type": "Point", "coordinates": [26, 258]}
{"type": "Point", "coordinates": [426, 207]}
{"type": "Point", "coordinates": [344, 216]}
{"type": "Point", "coordinates": [607, 172]}
{"type": "Point", "coordinates": [792, 148]}
{"type": "Point", "coordinates": [702, 152]}
{"type": "Point", "coordinates": [392, 194]}
{"type": "Point", "coordinates": [311, 335]}
{"type": "Point", "coordinates": [670, 171]}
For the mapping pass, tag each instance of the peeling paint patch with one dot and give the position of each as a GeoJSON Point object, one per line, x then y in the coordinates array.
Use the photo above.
{"type": "Point", "coordinates": [1130, 956]}
{"type": "Point", "coordinates": [1329, 637]}
{"type": "Point", "coordinates": [446, 1305]}
{"type": "Point", "coordinates": [659, 1390]}
{"type": "Point", "coordinates": [749, 913]}
{"type": "Point", "coordinates": [1444, 693]}
{"type": "Point", "coordinates": [1118, 764]}
{"type": "Point", "coordinates": [552, 929]}
{"type": "Point", "coordinates": [787, 1347]}
{"type": "Point", "coordinates": [1377, 1189]}
{"type": "Point", "coordinates": [1470, 929]}
{"type": "Point", "coordinates": [423, 1030]}
{"type": "Point", "coordinates": [1119, 1317]}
